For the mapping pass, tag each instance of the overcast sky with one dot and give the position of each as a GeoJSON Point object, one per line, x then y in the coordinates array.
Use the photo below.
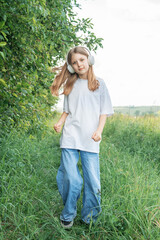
{"type": "Point", "coordinates": [130, 59]}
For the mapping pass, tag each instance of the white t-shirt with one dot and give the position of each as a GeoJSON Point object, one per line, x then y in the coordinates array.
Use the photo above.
{"type": "Point", "coordinates": [84, 108]}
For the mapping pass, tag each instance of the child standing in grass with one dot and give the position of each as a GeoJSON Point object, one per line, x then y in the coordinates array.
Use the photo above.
{"type": "Point", "coordinates": [86, 105]}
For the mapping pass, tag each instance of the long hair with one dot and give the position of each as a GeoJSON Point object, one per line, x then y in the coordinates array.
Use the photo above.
{"type": "Point", "coordinates": [66, 79]}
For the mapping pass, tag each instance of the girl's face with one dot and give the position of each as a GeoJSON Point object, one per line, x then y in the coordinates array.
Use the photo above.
{"type": "Point", "coordinates": [80, 64]}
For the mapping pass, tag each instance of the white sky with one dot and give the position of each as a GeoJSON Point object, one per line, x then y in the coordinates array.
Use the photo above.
{"type": "Point", "coordinates": [130, 60]}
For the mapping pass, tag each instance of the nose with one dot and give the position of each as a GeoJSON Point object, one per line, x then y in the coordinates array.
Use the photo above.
{"type": "Point", "coordinates": [78, 63]}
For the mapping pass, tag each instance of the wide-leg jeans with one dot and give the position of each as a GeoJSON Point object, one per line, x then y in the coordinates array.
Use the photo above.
{"type": "Point", "coordinates": [70, 183]}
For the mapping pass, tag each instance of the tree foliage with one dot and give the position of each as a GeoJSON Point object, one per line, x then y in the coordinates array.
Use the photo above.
{"type": "Point", "coordinates": [34, 36]}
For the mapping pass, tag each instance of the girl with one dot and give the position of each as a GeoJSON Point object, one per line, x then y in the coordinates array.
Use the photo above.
{"type": "Point", "coordinates": [86, 106]}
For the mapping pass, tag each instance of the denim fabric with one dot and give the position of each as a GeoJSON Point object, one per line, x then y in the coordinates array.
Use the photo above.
{"type": "Point", "coordinates": [70, 183]}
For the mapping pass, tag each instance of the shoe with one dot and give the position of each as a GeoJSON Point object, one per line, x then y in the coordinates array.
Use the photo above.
{"type": "Point", "coordinates": [66, 225]}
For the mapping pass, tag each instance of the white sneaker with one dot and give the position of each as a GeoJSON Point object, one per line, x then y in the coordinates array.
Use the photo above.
{"type": "Point", "coordinates": [66, 224]}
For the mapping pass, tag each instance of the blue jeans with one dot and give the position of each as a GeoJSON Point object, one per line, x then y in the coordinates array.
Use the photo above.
{"type": "Point", "coordinates": [70, 183]}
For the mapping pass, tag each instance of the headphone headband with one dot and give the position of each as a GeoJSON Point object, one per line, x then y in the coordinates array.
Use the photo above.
{"type": "Point", "coordinates": [90, 59]}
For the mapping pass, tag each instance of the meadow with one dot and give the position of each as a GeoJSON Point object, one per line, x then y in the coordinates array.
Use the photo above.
{"type": "Point", "coordinates": [138, 110]}
{"type": "Point", "coordinates": [30, 204]}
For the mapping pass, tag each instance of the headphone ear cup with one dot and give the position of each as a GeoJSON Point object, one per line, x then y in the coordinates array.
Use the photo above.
{"type": "Point", "coordinates": [70, 69]}
{"type": "Point", "coordinates": [91, 60]}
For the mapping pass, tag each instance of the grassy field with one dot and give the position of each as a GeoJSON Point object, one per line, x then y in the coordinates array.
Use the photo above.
{"type": "Point", "coordinates": [30, 204]}
{"type": "Point", "coordinates": [138, 110]}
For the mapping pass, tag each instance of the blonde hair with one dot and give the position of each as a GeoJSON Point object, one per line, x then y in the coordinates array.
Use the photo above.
{"type": "Point", "coordinates": [66, 79]}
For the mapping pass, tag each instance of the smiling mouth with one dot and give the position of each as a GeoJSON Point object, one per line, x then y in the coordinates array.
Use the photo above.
{"type": "Point", "coordinates": [80, 69]}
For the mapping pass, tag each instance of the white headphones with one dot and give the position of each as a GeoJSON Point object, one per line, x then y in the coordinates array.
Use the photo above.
{"type": "Point", "coordinates": [91, 60]}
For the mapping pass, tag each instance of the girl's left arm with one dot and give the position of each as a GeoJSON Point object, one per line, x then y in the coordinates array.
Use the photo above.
{"type": "Point", "coordinates": [98, 133]}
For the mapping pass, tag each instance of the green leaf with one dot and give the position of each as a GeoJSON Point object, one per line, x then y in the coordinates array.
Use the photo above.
{"type": "Point", "coordinates": [4, 35]}
{"type": "Point", "coordinates": [34, 20]}
{"type": "Point", "coordinates": [2, 44]}
{"type": "Point", "coordinates": [3, 82]}
{"type": "Point", "coordinates": [2, 24]}
{"type": "Point", "coordinates": [2, 55]}
{"type": "Point", "coordinates": [14, 95]}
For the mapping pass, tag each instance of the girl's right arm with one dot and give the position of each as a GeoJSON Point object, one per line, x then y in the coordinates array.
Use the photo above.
{"type": "Point", "coordinates": [58, 125]}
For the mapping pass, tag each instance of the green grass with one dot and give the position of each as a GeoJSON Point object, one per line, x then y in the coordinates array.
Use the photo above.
{"type": "Point", "coordinates": [138, 110]}
{"type": "Point", "coordinates": [30, 204]}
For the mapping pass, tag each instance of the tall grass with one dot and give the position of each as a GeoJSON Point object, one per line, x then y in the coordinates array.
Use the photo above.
{"type": "Point", "coordinates": [136, 135]}
{"type": "Point", "coordinates": [30, 204]}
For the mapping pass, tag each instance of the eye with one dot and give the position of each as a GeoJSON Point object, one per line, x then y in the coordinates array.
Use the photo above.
{"type": "Point", "coordinates": [82, 59]}
{"type": "Point", "coordinates": [73, 63]}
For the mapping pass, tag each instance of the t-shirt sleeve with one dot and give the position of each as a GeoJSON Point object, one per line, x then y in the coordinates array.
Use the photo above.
{"type": "Point", "coordinates": [65, 104]}
{"type": "Point", "coordinates": [105, 100]}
